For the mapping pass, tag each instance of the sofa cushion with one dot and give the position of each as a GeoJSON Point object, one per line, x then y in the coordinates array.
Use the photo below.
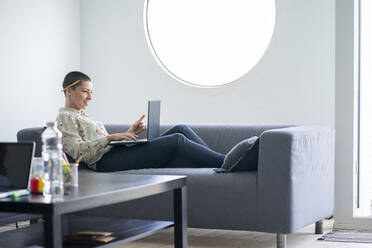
{"type": "Point", "coordinates": [214, 200]}
{"type": "Point", "coordinates": [250, 160]}
{"type": "Point", "coordinates": [242, 150]}
{"type": "Point", "coordinates": [32, 134]}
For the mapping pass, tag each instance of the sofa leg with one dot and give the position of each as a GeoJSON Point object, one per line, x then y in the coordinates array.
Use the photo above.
{"type": "Point", "coordinates": [319, 227]}
{"type": "Point", "coordinates": [281, 240]}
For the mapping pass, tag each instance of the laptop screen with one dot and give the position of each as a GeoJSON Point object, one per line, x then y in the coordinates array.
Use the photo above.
{"type": "Point", "coordinates": [153, 117]}
{"type": "Point", "coordinates": [15, 163]}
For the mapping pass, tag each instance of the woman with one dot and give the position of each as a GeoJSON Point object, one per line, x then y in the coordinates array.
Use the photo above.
{"type": "Point", "coordinates": [84, 136]}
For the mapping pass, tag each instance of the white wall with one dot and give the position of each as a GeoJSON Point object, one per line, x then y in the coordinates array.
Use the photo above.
{"type": "Point", "coordinates": [293, 83]}
{"type": "Point", "coordinates": [39, 43]}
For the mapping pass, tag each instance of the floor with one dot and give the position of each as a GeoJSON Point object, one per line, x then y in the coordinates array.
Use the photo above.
{"type": "Point", "coordinates": [205, 238]}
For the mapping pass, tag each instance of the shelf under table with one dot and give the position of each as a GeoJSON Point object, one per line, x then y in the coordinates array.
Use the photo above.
{"type": "Point", "coordinates": [125, 230]}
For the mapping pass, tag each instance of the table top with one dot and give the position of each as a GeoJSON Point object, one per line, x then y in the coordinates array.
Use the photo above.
{"type": "Point", "coordinates": [96, 190]}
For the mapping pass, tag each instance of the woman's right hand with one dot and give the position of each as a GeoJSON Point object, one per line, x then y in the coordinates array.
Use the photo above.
{"type": "Point", "coordinates": [121, 136]}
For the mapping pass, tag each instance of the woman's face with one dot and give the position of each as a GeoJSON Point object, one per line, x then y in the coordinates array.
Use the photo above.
{"type": "Point", "coordinates": [80, 96]}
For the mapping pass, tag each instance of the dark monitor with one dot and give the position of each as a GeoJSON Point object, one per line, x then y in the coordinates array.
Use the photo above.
{"type": "Point", "coordinates": [15, 164]}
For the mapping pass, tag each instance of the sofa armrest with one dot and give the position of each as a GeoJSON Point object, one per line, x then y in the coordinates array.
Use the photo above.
{"type": "Point", "coordinates": [295, 178]}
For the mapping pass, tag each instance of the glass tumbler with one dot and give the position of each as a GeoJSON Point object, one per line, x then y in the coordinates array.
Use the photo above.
{"type": "Point", "coordinates": [71, 177]}
{"type": "Point", "coordinates": [36, 177]}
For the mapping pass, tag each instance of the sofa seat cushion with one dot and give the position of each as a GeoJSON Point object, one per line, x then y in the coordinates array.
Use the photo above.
{"type": "Point", "coordinates": [214, 200]}
{"type": "Point", "coordinates": [172, 171]}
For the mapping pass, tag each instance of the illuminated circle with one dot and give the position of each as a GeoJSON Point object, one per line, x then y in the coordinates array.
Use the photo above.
{"type": "Point", "coordinates": [210, 42]}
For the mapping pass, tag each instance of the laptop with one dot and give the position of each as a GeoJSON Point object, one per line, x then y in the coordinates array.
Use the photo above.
{"type": "Point", "coordinates": [153, 125]}
{"type": "Point", "coordinates": [15, 164]}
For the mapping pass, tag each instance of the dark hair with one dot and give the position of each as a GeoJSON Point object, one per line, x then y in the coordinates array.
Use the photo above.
{"type": "Point", "coordinates": [74, 76]}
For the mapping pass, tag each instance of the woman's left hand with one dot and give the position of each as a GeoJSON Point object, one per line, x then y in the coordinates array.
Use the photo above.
{"type": "Point", "coordinates": [137, 127]}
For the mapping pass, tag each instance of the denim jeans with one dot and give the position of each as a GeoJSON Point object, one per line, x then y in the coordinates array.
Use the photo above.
{"type": "Point", "coordinates": [178, 146]}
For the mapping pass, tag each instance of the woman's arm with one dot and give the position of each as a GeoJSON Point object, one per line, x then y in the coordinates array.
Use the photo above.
{"type": "Point", "coordinates": [75, 145]}
{"type": "Point", "coordinates": [121, 136]}
{"type": "Point", "coordinates": [137, 127]}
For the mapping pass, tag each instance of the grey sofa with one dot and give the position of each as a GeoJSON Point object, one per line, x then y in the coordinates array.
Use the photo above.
{"type": "Point", "coordinates": [292, 187]}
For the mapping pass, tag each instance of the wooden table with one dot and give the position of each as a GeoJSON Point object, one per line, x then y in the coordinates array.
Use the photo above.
{"type": "Point", "coordinates": [98, 190]}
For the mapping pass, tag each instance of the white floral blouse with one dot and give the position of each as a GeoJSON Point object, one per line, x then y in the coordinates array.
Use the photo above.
{"type": "Point", "coordinates": [82, 136]}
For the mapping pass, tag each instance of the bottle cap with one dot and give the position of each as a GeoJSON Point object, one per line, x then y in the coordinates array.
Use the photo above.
{"type": "Point", "coordinates": [50, 123]}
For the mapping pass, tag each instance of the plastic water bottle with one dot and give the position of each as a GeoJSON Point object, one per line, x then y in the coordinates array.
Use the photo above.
{"type": "Point", "coordinates": [52, 157]}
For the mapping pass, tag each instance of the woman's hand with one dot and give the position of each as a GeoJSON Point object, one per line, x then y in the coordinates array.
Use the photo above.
{"type": "Point", "coordinates": [121, 136]}
{"type": "Point", "coordinates": [137, 127]}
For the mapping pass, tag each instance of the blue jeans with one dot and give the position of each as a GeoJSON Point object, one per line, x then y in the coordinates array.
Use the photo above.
{"type": "Point", "coordinates": [179, 145]}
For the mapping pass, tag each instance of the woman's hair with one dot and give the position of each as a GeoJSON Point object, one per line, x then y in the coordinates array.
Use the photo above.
{"type": "Point", "coordinates": [72, 77]}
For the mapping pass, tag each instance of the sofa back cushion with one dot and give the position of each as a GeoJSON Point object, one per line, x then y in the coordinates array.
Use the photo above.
{"type": "Point", "coordinates": [220, 138]}
{"type": "Point", "coordinates": [32, 134]}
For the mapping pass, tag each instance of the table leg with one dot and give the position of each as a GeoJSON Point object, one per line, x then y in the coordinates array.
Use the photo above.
{"type": "Point", "coordinates": [180, 217]}
{"type": "Point", "coordinates": [52, 230]}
